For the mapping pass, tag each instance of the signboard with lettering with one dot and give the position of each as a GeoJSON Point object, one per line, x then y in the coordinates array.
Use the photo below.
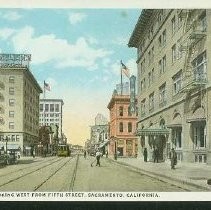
{"type": "Point", "coordinates": [14, 60]}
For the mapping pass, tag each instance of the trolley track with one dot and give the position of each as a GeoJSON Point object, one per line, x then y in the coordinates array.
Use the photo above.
{"type": "Point", "coordinates": [28, 173]}
{"type": "Point", "coordinates": [22, 169]}
{"type": "Point", "coordinates": [53, 174]}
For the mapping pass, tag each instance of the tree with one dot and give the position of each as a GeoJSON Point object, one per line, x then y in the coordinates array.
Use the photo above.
{"type": "Point", "coordinates": [44, 135]}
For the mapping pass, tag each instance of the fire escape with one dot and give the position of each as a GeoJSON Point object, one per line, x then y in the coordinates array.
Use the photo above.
{"type": "Point", "coordinates": [192, 43]}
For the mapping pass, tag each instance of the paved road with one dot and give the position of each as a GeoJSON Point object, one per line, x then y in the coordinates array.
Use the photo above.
{"type": "Point", "coordinates": [56, 174]}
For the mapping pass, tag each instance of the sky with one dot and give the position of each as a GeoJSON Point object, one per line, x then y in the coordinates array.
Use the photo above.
{"type": "Point", "coordinates": [77, 52]}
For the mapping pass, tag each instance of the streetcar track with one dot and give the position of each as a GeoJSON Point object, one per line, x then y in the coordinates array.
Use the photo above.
{"type": "Point", "coordinates": [19, 177]}
{"type": "Point", "coordinates": [21, 169]}
{"type": "Point", "coordinates": [53, 174]}
{"type": "Point", "coordinates": [74, 174]}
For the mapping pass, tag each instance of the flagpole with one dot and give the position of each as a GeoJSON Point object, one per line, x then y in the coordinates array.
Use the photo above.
{"type": "Point", "coordinates": [44, 101]}
{"type": "Point", "coordinates": [121, 77]}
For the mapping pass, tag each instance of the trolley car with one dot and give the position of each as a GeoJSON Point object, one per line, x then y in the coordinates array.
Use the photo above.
{"type": "Point", "coordinates": [63, 150]}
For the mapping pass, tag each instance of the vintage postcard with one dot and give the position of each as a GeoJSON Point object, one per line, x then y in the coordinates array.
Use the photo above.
{"type": "Point", "coordinates": [105, 102]}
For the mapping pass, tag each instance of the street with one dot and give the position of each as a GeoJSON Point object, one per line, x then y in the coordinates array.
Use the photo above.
{"type": "Point", "coordinates": [76, 174]}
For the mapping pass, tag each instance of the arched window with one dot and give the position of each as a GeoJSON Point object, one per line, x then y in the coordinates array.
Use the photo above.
{"type": "Point", "coordinates": [121, 111]}
{"type": "Point", "coordinates": [129, 127]}
{"type": "Point", "coordinates": [121, 127]}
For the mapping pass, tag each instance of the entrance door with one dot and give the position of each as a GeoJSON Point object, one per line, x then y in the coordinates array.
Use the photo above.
{"type": "Point", "coordinates": [120, 151]}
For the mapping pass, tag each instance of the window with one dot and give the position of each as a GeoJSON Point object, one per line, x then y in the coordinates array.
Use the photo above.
{"type": "Point", "coordinates": [150, 78]}
{"type": "Point", "coordinates": [203, 22]}
{"type": "Point", "coordinates": [200, 68]}
{"type": "Point", "coordinates": [164, 37]}
{"type": "Point", "coordinates": [143, 107]}
{"type": "Point", "coordinates": [13, 138]}
{"type": "Point", "coordinates": [51, 107]}
{"type": "Point", "coordinates": [11, 91]}
{"type": "Point", "coordinates": [173, 53]}
{"type": "Point", "coordinates": [179, 21]}
{"type": "Point", "coordinates": [120, 111]}
{"type": "Point", "coordinates": [129, 127]}
{"type": "Point", "coordinates": [177, 137]}
{"type": "Point", "coordinates": [162, 65]}
{"type": "Point", "coordinates": [162, 95]}
{"type": "Point", "coordinates": [121, 127]}
{"type": "Point", "coordinates": [41, 107]}
{"type": "Point", "coordinates": [17, 138]}
{"type": "Point", "coordinates": [177, 82]}
{"type": "Point", "coordinates": [11, 102]}
{"type": "Point", "coordinates": [11, 113]}
{"type": "Point", "coordinates": [46, 107]}
{"type": "Point", "coordinates": [57, 107]}
{"type": "Point", "coordinates": [151, 102]}
{"type": "Point", "coordinates": [173, 25]}
{"type": "Point", "coordinates": [143, 66]}
{"type": "Point", "coordinates": [11, 79]}
{"type": "Point", "coordinates": [152, 75]}
{"type": "Point", "coordinates": [128, 111]}
{"type": "Point", "coordinates": [199, 135]}
{"type": "Point", "coordinates": [11, 125]}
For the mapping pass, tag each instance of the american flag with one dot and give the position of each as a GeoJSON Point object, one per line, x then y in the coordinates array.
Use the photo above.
{"type": "Point", "coordinates": [125, 70]}
{"type": "Point", "coordinates": [47, 86]}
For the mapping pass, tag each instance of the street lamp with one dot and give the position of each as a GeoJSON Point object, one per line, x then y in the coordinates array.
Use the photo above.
{"type": "Point", "coordinates": [6, 140]}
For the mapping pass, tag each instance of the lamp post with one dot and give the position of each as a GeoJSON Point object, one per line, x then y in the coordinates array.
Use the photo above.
{"type": "Point", "coordinates": [6, 140]}
{"type": "Point", "coordinates": [115, 149]}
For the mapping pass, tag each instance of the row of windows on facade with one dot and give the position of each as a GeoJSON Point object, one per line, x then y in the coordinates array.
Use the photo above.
{"type": "Point", "coordinates": [121, 111]}
{"type": "Point", "coordinates": [49, 124]}
{"type": "Point", "coordinates": [176, 23]}
{"type": "Point", "coordinates": [10, 138]}
{"type": "Point", "coordinates": [51, 120]}
{"type": "Point", "coordinates": [129, 127]}
{"type": "Point", "coordinates": [199, 70]}
{"type": "Point", "coordinates": [29, 91]}
{"type": "Point", "coordinates": [50, 107]}
{"type": "Point", "coordinates": [49, 115]}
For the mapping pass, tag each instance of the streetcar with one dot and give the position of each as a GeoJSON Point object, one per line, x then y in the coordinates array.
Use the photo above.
{"type": "Point", "coordinates": [63, 150]}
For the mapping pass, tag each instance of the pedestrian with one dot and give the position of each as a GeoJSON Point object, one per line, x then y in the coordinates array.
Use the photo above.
{"type": "Point", "coordinates": [85, 154]}
{"type": "Point", "coordinates": [106, 154]}
{"type": "Point", "coordinates": [173, 158]}
{"type": "Point", "coordinates": [145, 154]}
{"type": "Point", "coordinates": [34, 153]}
{"type": "Point", "coordinates": [98, 155]}
{"type": "Point", "coordinates": [156, 154]}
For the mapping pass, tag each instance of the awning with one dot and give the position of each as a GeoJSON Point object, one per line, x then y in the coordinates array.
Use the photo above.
{"type": "Point", "coordinates": [198, 115]}
{"type": "Point", "coordinates": [11, 146]}
{"type": "Point", "coordinates": [174, 125]}
{"type": "Point", "coordinates": [152, 131]}
{"type": "Point", "coordinates": [190, 120]}
{"type": "Point", "coordinates": [103, 143]}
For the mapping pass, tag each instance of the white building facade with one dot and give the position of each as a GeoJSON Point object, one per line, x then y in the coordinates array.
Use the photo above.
{"type": "Point", "coordinates": [51, 112]}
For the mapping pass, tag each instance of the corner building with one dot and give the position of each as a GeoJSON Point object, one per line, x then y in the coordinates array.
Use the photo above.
{"type": "Point", "coordinates": [122, 125]}
{"type": "Point", "coordinates": [19, 103]}
{"type": "Point", "coordinates": [174, 97]}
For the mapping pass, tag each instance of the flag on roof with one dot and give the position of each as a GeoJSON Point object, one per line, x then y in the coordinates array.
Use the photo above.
{"type": "Point", "coordinates": [125, 70]}
{"type": "Point", "coordinates": [47, 86]}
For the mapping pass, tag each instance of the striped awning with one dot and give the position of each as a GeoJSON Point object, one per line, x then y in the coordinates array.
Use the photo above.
{"type": "Point", "coordinates": [152, 132]}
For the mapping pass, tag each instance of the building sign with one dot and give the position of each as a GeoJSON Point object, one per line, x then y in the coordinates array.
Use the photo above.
{"type": "Point", "coordinates": [132, 94]}
{"type": "Point", "coordinates": [14, 60]}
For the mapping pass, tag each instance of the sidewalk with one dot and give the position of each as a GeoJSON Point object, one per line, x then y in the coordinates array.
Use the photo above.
{"type": "Point", "coordinates": [191, 174]}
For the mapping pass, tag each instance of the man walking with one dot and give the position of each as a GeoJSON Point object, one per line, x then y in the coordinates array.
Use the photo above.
{"type": "Point", "coordinates": [173, 157]}
{"type": "Point", "coordinates": [97, 158]}
{"type": "Point", "coordinates": [145, 154]}
{"type": "Point", "coordinates": [156, 154]}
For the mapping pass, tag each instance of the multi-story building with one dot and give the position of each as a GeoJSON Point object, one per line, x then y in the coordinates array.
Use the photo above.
{"type": "Point", "coordinates": [19, 102]}
{"type": "Point", "coordinates": [122, 125]}
{"type": "Point", "coordinates": [99, 134]}
{"type": "Point", "coordinates": [174, 82]}
{"type": "Point", "coordinates": [51, 111]}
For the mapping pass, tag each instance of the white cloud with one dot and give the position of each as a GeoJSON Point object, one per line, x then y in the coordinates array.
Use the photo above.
{"type": "Point", "coordinates": [121, 41]}
{"type": "Point", "coordinates": [12, 16]}
{"type": "Point", "coordinates": [48, 47]}
{"type": "Point", "coordinates": [5, 33]}
{"type": "Point", "coordinates": [76, 18]}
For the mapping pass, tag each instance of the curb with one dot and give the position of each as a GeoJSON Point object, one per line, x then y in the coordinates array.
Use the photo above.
{"type": "Point", "coordinates": [153, 174]}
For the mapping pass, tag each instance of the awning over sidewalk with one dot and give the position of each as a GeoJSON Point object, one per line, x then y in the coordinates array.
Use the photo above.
{"type": "Point", "coordinates": [152, 132]}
